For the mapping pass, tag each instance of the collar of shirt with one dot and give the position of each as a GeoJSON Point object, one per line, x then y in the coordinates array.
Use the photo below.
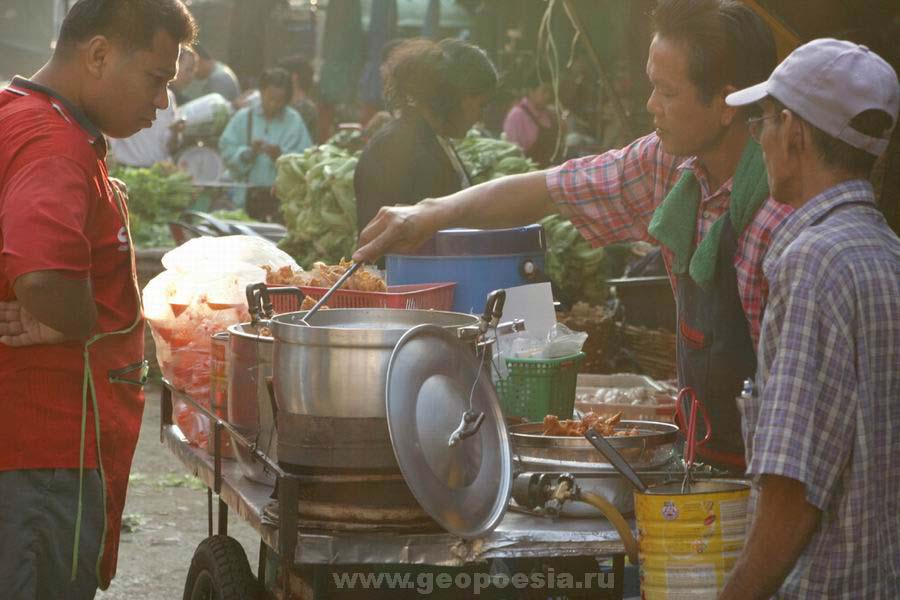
{"type": "Point", "coordinates": [66, 109]}
{"type": "Point", "coordinates": [693, 164]}
{"type": "Point", "coordinates": [852, 191]}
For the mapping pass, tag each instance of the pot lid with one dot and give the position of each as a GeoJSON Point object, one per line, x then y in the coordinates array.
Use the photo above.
{"type": "Point", "coordinates": [464, 487]}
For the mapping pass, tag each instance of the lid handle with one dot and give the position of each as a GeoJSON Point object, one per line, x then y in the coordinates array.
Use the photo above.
{"type": "Point", "coordinates": [468, 426]}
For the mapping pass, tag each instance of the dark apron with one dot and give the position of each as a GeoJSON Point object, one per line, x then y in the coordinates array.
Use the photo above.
{"type": "Point", "coordinates": [716, 353]}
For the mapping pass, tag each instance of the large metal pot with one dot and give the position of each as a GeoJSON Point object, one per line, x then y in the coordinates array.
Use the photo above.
{"type": "Point", "coordinates": [249, 404]}
{"type": "Point", "coordinates": [329, 381]}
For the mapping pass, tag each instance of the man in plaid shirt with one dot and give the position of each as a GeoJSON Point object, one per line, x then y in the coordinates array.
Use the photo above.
{"type": "Point", "coordinates": [696, 186]}
{"type": "Point", "coordinates": [823, 434]}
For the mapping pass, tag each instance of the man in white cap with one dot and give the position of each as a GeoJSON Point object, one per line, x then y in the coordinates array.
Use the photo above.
{"type": "Point", "coordinates": [822, 434]}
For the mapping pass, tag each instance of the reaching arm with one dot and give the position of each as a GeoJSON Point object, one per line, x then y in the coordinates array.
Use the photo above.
{"type": "Point", "coordinates": [506, 202]}
{"type": "Point", "coordinates": [782, 527]}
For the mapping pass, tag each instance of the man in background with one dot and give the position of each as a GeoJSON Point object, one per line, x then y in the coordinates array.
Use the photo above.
{"type": "Point", "coordinates": [212, 77]}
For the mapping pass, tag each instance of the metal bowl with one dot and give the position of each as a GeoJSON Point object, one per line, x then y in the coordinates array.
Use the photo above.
{"type": "Point", "coordinates": [653, 447]}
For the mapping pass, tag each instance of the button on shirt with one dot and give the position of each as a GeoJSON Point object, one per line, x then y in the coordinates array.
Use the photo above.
{"type": "Point", "coordinates": [828, 411]}
{"type": "Point", "coordinates": [611, 198]}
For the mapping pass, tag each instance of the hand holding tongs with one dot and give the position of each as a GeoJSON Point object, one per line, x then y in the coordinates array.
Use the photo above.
{"type": "Point", "coordinates": [689, 428]}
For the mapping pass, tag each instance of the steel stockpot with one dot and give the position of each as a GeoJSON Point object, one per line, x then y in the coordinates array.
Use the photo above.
{"type": "Point", "coordinates": [330, 377]}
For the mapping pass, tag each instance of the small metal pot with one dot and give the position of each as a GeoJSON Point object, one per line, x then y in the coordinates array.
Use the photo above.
{"type": "Point", "coordinates": [249, 407]}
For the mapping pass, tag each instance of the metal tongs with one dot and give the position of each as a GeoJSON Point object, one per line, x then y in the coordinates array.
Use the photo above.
{"type": "Point", "coordinates": [689, 428]}
{"type": "Point", "coordinates": [337, 284]}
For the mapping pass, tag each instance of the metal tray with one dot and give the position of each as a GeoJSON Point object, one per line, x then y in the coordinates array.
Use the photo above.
{"type": "Point", "coordinates": [654, 447]}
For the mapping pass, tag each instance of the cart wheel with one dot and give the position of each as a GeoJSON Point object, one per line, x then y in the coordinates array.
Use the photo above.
{"type": "Point", "coordinates": [220, 571]}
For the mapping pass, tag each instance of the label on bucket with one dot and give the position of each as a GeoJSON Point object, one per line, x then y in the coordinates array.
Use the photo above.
{"type": "Point", "coordinates": [689, 542]}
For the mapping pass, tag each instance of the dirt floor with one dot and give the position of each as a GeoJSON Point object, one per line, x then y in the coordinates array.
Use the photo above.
{"type": "Point", "coordinates": [166, 513]}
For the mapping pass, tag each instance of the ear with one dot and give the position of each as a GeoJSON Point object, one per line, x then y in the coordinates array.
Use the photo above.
{"type": "Point", "coordinates": [97, 52]}
{"type": "Point", "coordinates": [794, 133]}
{"type": "Point", "coordinates": [729, 113]}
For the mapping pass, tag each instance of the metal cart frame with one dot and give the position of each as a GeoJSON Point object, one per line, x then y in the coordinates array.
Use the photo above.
{"type": "Point", "coordinates": [518, 536]}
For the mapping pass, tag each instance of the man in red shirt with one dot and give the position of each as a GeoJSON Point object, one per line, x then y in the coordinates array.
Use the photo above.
{"type": "Point", "coordinates": [696, 186]}
{"type": "Point", "coordinates": [71, 330]}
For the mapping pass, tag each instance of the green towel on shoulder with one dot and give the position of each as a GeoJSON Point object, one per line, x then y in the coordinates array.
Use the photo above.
{"type": "Point", "coordinates": [674, 222]}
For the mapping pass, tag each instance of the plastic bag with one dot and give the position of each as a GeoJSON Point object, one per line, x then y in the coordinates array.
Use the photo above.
{"type": "Point", "coordinates": [228, 250]}
{"type": "Point", "coordinates": [562, 341]}
{"type": "Point", "coordinates": [206, 116]}
{"type": "Point", "coordinates": [202, 292]}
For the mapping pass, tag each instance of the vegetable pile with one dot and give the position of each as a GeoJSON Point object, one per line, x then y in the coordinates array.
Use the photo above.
{"type": "Point", "coordinates": [488, 158]}
{"type": "Point", "coordinates": [578, 270]}
{"type": "Point", "coordinates": [318, 204]}
{"type": "Point", "coordinates": [156, 195]}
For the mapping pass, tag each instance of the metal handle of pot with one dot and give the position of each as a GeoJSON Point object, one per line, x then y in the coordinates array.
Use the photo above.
{"type": "Point", "coordinates": [493, 309]}
{"type": "Point", "coordinates": [258, 302]}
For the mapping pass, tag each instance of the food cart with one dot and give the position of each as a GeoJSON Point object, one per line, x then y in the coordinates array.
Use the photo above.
{"type": "Point", "coordinates": [507, 535]}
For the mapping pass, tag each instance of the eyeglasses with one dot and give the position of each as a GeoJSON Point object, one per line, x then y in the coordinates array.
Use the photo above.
{"type": "Point", "coordinates": [754, 126]}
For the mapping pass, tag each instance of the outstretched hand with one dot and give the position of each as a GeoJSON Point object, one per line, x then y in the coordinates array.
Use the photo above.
{"type": "Point", "coordinates": [394, 229]}
{"type": "Point", "coordinates": [18, 328]}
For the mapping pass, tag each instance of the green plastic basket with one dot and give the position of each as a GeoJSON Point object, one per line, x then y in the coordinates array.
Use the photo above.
{"type": "Point", "coordinates": [537, 387]}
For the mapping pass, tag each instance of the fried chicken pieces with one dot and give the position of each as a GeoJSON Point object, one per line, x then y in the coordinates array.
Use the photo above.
{"type": "Point", "coordinates": [324, 276]}
{"type": "Point", "coordinates": [604, 425]}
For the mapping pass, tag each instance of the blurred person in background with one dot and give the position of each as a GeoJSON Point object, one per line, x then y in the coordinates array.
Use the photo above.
{"type": "Point", "coordinates": [532, 124]}
{"type": "Point", "coordinates": [438, 91]}
{"type": "Point", "coordinates": [301, 73]}
{"type": "Point", "coordinates": [187, 67]}
{"type": "Point", "coordinates": [212, 77]}
{"type": "Point", "coordinates": [256, 136]}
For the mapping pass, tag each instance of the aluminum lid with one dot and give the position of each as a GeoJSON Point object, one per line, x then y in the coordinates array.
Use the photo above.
{"type": "Point", "coordinates": [466, 487]}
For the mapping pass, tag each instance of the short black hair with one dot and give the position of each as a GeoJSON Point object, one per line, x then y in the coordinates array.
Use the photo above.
{"type": "Point", "coordinates": [278, 78]}
{"type": "Point", "coordinates": [839, 154]}
{"type": "Point", "coordinates": [727, 43]}
{"type": "Point", "coordinates": [299, 66]}
{"type": "Point", "coordinates": [131, 22]}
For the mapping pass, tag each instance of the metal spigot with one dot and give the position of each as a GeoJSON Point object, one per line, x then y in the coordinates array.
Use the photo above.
{"type": "Point", "coordinates": [546, 492]}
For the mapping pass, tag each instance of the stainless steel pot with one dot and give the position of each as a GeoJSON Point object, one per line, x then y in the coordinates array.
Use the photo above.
{"type": "Point", "coordinates": [249, 404]}
{"type": "Point", "coordinates": [329, 381]}
{"type": "Point", "coordinates": [338, 366]}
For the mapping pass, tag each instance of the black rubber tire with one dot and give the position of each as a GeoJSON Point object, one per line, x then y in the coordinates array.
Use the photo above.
{"type": "Point", "coordinates": [220, 571]}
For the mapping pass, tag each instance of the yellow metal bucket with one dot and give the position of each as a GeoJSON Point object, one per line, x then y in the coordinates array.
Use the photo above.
{"type": "Point", "coordinates": [689, 542]}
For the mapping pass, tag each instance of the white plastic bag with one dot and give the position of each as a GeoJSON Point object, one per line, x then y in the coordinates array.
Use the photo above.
{"type": "Point", "coordinates": [562, 341]}
{"type": "Point", "coordinates": [228, 249]}
{"type": "Point", "coordinates": [206, 116]}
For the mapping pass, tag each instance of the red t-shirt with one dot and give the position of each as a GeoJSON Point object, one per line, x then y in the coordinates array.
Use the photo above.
{"type": "Point", "coordinates": [57, 212]}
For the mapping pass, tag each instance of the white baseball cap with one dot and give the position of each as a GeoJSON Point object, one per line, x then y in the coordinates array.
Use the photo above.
{"type": "Point", "coordinates": [828, 82]}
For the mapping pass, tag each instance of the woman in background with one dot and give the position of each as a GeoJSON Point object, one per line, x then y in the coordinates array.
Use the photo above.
{"type": "Point", "coordinates": [256, 136]}
{"type": "Point", "coordinates": [438, 91]}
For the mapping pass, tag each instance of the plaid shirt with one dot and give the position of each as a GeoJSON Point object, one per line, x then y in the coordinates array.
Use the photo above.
{"type": "Point", "coordinates": [828, 411]}
{"type": "Point", "coordinates": [611, 198]}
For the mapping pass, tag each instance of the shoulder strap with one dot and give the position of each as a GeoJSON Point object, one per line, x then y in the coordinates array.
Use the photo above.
{"type": "Point", "coordinates": [249, 125]}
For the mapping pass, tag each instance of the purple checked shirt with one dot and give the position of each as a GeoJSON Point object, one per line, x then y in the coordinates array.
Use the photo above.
{"type": "Point", "coordinates": [828, 409]}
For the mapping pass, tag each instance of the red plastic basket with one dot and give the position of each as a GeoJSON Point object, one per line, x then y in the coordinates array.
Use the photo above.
{"type": "Point", "coordinates": [420, 296]}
